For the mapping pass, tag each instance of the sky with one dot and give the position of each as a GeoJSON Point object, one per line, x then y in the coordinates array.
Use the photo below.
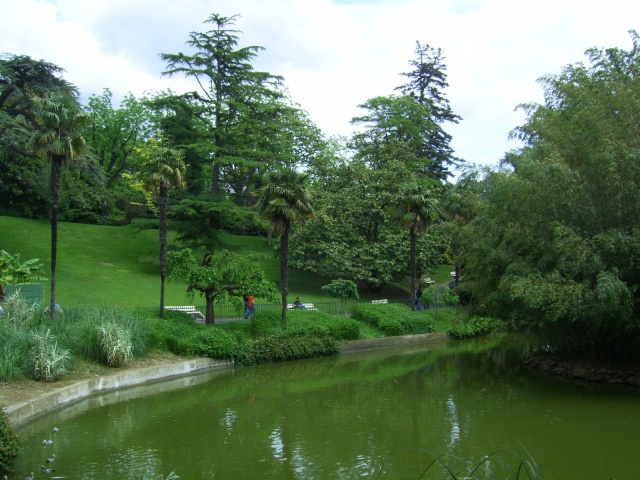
{"type": "Point", "coordinates": [334, 54]}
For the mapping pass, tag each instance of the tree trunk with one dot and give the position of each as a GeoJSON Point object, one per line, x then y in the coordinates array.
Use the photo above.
{"type": "Point", "coordinates": [209, 317]}
{"type": "Point", "coordinates": [164, 194]}
{"type": "Point", "coordinates": [215, 179]}
{"type": "Point", "coordinates": [284, 270]}
{"type": "Point", "coordinates": [412, 265]}
{"type": "Point", "coordinates": [56, 169]}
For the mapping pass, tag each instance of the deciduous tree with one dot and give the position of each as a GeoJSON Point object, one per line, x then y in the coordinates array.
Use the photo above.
{"type": "Point", "coordinates": [555, 243]}
{"type": "Point", "coordinates": [224, 274]}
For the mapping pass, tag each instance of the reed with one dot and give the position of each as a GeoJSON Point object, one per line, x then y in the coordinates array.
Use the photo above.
{"type": "Point", "coordinates": [116, 344]}
{"type": "Point", "coordinates": [50, 362]}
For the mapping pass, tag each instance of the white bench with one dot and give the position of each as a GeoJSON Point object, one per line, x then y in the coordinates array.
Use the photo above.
{"type": "Point", "coordinates": [380, 301]}
{"type": "Point", "coordinates": [189, 310]}
{"type": "Point", "coordinates": [307, 306]}
{"type": "Point", "coordinates": [427, 281]}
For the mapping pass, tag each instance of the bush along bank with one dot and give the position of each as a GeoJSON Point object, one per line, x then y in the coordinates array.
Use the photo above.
{"type": "Point", "coordinates": [9, 445]}
{"type": "Point", "coordinates": [393, 319]}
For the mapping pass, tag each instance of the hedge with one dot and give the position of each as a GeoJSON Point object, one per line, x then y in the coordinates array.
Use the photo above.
{"type": "Point", "coordinates": [393, 319]}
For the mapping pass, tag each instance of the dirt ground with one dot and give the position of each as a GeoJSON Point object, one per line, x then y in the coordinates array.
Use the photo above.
{"type": "Point", "coordinates": [23, 390]}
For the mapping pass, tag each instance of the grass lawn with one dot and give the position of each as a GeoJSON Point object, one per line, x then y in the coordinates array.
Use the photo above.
{"type": "Point", "coordinates": [100, 266]}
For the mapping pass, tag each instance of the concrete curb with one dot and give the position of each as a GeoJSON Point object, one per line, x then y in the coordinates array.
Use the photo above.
{"type": "Point", "coordinates": [358, 345]}
{"type": "Point", "coordinates": [25, 411]}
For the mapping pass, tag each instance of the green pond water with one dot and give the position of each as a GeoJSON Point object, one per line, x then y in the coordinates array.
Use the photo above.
{"type": "Point", "coordinates": [383, 414]}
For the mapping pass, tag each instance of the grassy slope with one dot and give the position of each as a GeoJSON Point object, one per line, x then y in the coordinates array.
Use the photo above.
{"type": "Point", "coordinates": [100, 265]}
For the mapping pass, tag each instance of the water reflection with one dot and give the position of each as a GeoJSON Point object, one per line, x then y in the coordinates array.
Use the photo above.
{"type": "Point", "coordinates": [380, 414]}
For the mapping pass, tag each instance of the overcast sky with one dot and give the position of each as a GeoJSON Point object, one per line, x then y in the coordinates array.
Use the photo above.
{"type": "Point", "coordinates": [334, 54]}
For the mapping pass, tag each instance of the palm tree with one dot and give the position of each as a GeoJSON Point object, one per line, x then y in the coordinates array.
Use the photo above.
{"type": "Point", "coordinates": [416, 209]}
{"type": "Point", "coordinates": [457, 210]}
{"type": "Point", "coordinates": [284, 201]}
{"type": "Point", "coordinates": [59, 140]}
{"type": "Point", "coordinates": [163, 169]}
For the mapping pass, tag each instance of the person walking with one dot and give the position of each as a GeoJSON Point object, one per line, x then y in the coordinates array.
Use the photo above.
{"type": "Point", "coordinates": [252, 307]}
{"type": "Point", "coordinates": [419, 305]}
{"type": "Point", "coordinates": [245, 299]}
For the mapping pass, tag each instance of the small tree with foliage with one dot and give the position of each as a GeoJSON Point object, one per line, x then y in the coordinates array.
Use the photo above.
{"type": "Point", "coordinates": [438, 295]}
{"type": "Point", "coordinates": [224, 274]}
{"type": "Point", "coordinates": [343, 290]}
{"type": "Point", "coordinates": [12, 270]}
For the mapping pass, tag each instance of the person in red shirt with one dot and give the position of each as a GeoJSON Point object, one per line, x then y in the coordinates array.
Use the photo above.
{"type": "Point", "coordinates": [252, 307]}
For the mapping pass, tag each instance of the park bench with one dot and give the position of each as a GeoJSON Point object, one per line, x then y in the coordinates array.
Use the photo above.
{"type": "Point", "coordinates": [453, 276]}
{"type": "Point", "coordinates": [384, 300]}
{"type": "Point", "coordinates": [427, 282]}
{"type": "Point", "coordinates": [308, 306]}
{"type": "Point", "coordinates": [189, 310]}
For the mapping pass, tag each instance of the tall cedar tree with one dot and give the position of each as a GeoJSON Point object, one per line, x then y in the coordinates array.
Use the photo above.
{"type": "Point", "coordinates": [426, 85]}
{"type": "Point", "coordinates": [230, 90]}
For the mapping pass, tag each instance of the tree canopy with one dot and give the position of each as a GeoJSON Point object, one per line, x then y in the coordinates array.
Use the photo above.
{"type": "Point", "coordinates": [555, 245]}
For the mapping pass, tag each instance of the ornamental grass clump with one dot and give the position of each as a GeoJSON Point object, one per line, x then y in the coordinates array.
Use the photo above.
{"type": "Point", "coordinates": [19, 311]}
{"type": "Point", "coordinates": [50, 362]}
{"type": "Point", "coordinates": [14, 354]}
{"type": "Point", "coordinates": [116, 343]}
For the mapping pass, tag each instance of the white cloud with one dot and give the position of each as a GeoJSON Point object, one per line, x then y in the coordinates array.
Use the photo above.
{"type": "Point", "coordinates": [334, 54]}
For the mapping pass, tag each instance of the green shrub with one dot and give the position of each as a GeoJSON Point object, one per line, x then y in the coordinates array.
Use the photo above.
{"type": "Point", "coordinates": [181, 346]}
{"type": "Point", "coordinates": [474, 327]}
{"type": "Point", "coordinates": [314, 323]}
{"type": "Point", "coordinates": [268, 323]}
{"type": "Point", "coordinates": [175, 332]}
{"type": "Point", "coordinates": [393, 319]}
{"type": "Point", "coordinates": [116, 344]}
{"type": "Point", "coordinates": [272, 349]}
{"type": "Point", "coordinates": [50, 362]}
{"type": "Point", "coordinates": [180, 335]}
{"type": "Point", "coordinates": [9, 444]}
{"type": "Point", "coordinates": [214, 342]}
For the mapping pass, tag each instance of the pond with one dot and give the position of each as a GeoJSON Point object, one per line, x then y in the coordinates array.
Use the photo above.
{"type": "Point", "coordinates": [383, 414]}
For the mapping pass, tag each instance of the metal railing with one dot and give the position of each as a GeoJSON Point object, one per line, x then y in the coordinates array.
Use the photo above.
{"type": "Point", "coordinates": [230, 311]}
